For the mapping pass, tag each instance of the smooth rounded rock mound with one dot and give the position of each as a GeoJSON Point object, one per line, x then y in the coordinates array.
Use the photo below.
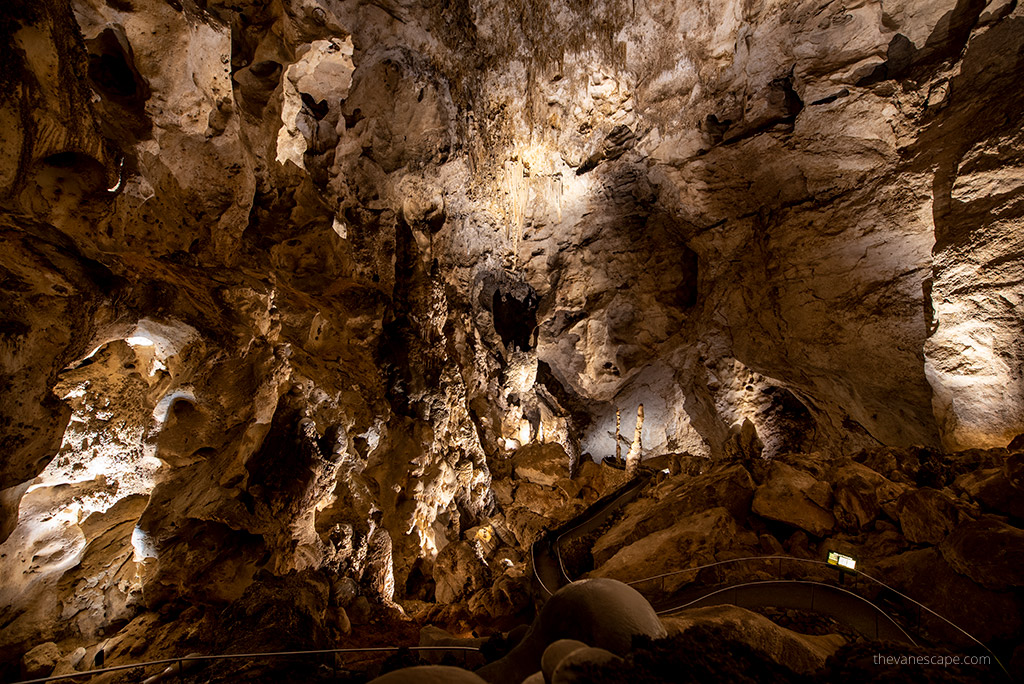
{"type": "Point", "coordinates": [600, 612]}
{"type": "Point", "coordinates": [556, 652]}
{"type": "Point", "coordinates": [573, 667]}
{"type": "Point", "coordinates": [429, 674]}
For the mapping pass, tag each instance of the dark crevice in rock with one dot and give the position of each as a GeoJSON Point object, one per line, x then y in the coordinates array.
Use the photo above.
{"type": "Point", "coordinates": [515, 317]}
{"type": "Point", "coordinates": [831, 98]}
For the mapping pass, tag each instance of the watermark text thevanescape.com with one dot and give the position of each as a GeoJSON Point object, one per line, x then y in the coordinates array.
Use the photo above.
{"type": "Point", "coordinates": [923, 660]}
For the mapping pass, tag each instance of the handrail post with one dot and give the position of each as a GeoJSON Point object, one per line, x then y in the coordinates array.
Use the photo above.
{"type": "Point", "coordinates": [181, 671]}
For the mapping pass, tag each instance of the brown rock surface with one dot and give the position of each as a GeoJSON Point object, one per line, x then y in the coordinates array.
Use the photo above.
{"type": "Point", "coordinates": [556, 652]}
{"type": "Point", "coordinates": [672, 501]}
{"type": "Point", "coordinates": [988, 551]}
{"type": "Point", "coordinates": [862, 494]}
{"type": "Point", "coordinates": [927, 515]}
{"type": "Point", "coordinates": [925, 575]}
{"type": "Point", "coordinates": [40, 661]}
{"type": "Point", "coordinates": [576, 666]}
{"type": "Point", "coordinates": [541, 464]}
{"type": "Point", "coordinates": [458, 571]}
{"type": "Point", "coordinates": [803, 653]}
{"type": "Point", "coordinates": [795, 497]}
{"type": "Point", "coordinates": [598, 611]}
{"type": "Point", "coordinates": [695, 540]}
{"type": "Point", "coordinates": [995, 490]}
{"type": "Point", "coordinates": [285, 288]}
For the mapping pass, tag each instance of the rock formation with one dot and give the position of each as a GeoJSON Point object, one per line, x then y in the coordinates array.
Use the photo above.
{"type": "Point", "coordinates": [344, 300]}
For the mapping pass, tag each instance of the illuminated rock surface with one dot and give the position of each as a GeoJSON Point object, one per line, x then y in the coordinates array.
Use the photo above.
{"type": "Point", "coordinates": [334, 300]}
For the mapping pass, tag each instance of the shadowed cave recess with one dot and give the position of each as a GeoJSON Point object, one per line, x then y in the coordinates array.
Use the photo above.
{"type": "Point", "coordinates": [341, 324]}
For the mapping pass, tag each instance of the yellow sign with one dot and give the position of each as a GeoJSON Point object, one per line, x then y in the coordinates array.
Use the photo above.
{"type": "Point", "coordinates": [845, 562]}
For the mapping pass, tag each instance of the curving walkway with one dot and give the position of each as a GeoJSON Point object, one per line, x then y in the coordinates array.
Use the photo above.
{"type": "Point", "coordinates": [549, 570]}
{"type": "Point", "coordinates": [843, 606]}
{"type": "Point", "coordinates": [807, 593]}
{"type": "Point", "coordinates": [182, 664]}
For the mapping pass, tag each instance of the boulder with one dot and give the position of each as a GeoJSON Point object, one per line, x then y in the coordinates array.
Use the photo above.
{"type": "Point", "coordinates": [988, 551]}
{"type": "Point", "coordinates": [556, 652]}
{"type": "Point", "coordinates": [505, 599]}
{"type": "Point", "coordinates": [795, 497]}
{"type": "Point", "coordinates": [817, 463]}
{"type": "Point", "coordinates": [925, 576]}
{"type": "Point", "coordinates": [993, 489]}
{"type": "Point", "coordinates": [1013, 466]}
{"type": "Point", "coordinates": [576, 666]}
{"type": "Point", "coordinates": [550, 501]}
{"type": "Point", "coordinates": [342, 621]}
{"type": "Point", "coordinates": [695, 540]}
{"type": "Point", "coordinates": [431, 635]}
{"type": "Point", "coordinates": [731, 487]}
{"type": "Point", "coordinates": [743, 442]}
{"type": "Point", "coordinates": [40, 661]}
{"type": "Point", "coordinates": [927, 515]}
{"type": "Point", "coordinates": [861, 494]}
{"type": "Point", "coordinates": [799, 544]}
{"type": "Point", "coordinates": [526, 525]}
{"type": "Point", "coordinates": [602, 612]}
{"type": "Point", "coordinates": [360, 611]}
{"type": "Point", "coordinates": [69, 663]}
{"type": "Point", "coordinates": [597, 480]}
{"type": "Point", "coordinates": [898, 465]}
{"type": "Point", "coordinates": [429, 674]}
{"type": "Point", "coordinates": [542, 464]}
{"type": "Point", "coordinates": [458, 572]}
{"type": "Point", "coordinates": [802, 653]}
{"type": "Point", "coordinates": [503, 490]}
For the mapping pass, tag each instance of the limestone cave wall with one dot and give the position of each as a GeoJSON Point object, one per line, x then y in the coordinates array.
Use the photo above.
{"type": "Point", "coordinates": [287, 285]}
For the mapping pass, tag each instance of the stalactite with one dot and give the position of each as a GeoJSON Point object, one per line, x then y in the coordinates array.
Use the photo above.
{"type": "Point", "coordinates": [517, 191]}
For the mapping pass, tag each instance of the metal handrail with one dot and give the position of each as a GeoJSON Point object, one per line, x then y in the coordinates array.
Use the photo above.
{"type": "Point", "coordinates": [533, 561]}
{"type": "Point", "coordinates": [627, 490]}
{"type": "Point", "coordinates": [250, 656]}
{"type": "Point", "coordinates": [623, 491]}
{"type": "Point", "coordinates": [732, 587]}
{"type": "Point", "coordinates": [811, 561]}
{"type": "Point", "coordinates": [828, 565]}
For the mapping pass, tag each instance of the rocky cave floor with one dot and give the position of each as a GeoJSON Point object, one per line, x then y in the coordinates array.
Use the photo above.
{"type": "Point", "coordinates": [948, 534]}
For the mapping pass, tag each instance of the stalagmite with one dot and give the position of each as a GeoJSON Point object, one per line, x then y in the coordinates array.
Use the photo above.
{"type": "Point", "coordinates": [636, 448]}
{"type": "Point", "coordinates": [618, 434]}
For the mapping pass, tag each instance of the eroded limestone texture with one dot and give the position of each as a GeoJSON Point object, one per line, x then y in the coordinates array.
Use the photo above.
{"type": "Point", "coordinates": [335, 293]}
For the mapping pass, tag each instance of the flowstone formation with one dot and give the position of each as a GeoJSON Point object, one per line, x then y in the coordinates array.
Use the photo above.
{"type": "Point", "coordinates": [340, 301]}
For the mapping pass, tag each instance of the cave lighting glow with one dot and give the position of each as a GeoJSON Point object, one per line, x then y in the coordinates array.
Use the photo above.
{"type": "Point", "coordinates": [569, 193]}
{"type": "Point", "coordinates": [139, 341]}
{"type": "Point", "coordinates": [142, 545]}
{"type": "Point", "coordinates": [524, 432]}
